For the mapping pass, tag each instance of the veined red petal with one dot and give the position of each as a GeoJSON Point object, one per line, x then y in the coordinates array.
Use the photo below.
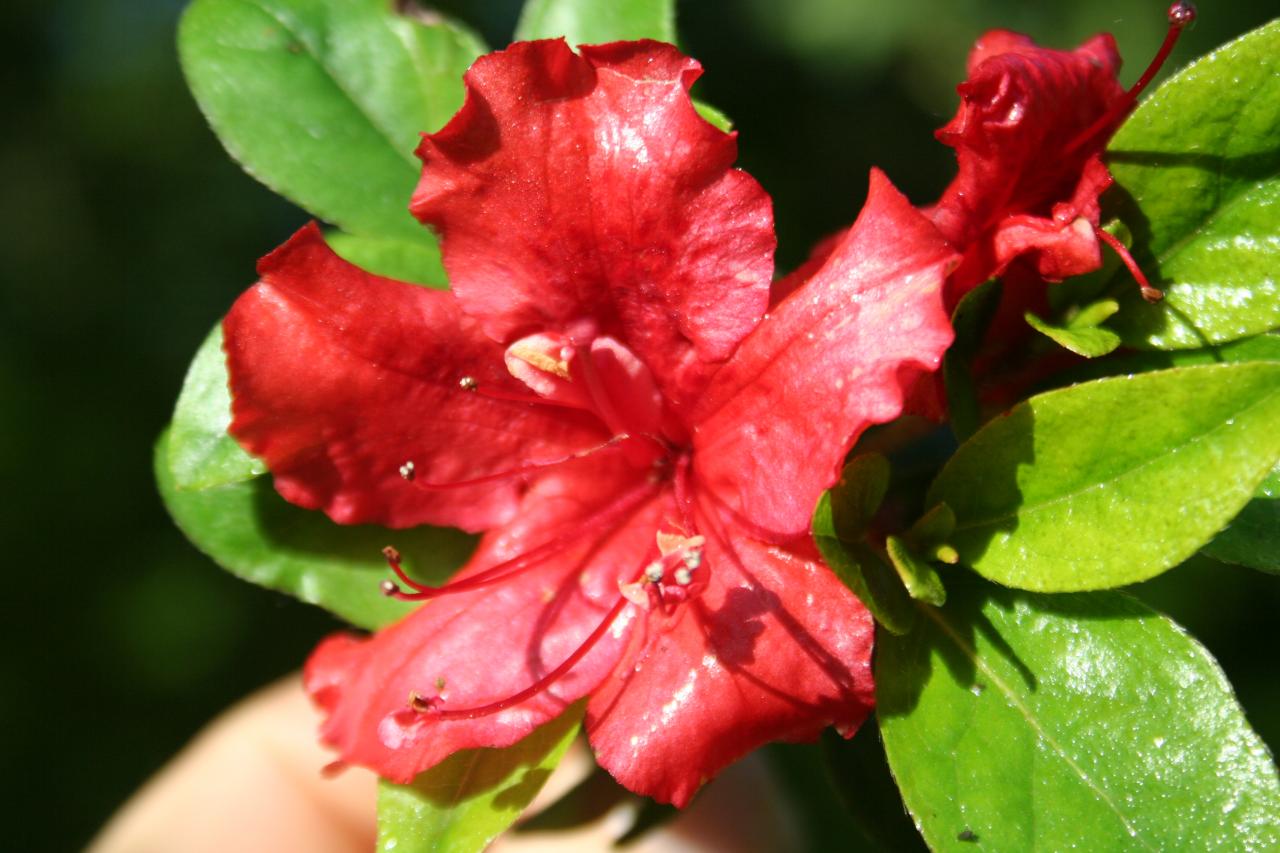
{"type": "Point", "coordinates": [776, 648]}
{"type": "Point", "coordinates": [833, 358]}
{"type": "Point", "coordinates": [583, 194]}
{"type": "Point", "coordinates": [339, 377]}
{"type": "Point", "coordinates": [1022, 112]}
{"type": "Point", "coordinates": [475, 648]}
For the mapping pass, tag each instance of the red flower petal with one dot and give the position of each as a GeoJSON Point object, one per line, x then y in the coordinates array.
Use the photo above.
{"type": "Point", "coordinates": [339, 377]}
{"type": "Point", "coordinates": [583, 194]}
{"type": "Point", "coordinates": [832, 359]}
{"type": "Point", "coordinates": [775, 648]}
{"type": "Point", "coordinates": [1024, 177]}
{"type": "Point", "coordinates": [474, 648]}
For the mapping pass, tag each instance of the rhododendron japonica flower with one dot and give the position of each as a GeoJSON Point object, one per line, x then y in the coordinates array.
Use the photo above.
{"type": "Point", "coordinates": [1029, 136]}
{"type": "Point", "coordinates": [602, 393]}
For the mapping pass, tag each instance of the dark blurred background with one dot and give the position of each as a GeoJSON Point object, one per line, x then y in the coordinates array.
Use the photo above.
{"type": "Point", "coordinates": [125, 232]}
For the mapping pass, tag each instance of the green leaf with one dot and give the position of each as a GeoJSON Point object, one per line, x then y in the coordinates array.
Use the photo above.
{"type": "Point", "coordinates": [839, 528]}
{"type": "Point", "coordinates": [466, 801]}
{"type": "Point", "coordinates": [256, 535]}
{"type": "Point", "coordinates": [1082, 335]}
{"type": "Point", "coordinates": [200, 452]}
{"type": "Point", "coordinates": [1258, 348]}
{"type": "Point", "coordinates": [1200, 169]}
{"type": "Point", "coordinates": [1069, 722]}
{"type": "Point", "coordinates": [920, 579]}
{"type": "Point", "coordinates": [404, 260]}
{"type": "Point", "coordinates": [324, 100]}
{"type": "Point", "coordinates": [1113, 481]}
{"type": "Point", "coordinates": [598, 21]}
{"type": "Point", "coordinates": [930, 534]}
{"type": "Point", "coordinates": [716, 117]}
{"type": "Point", "coordinates": [1253, 537]}
{"type": "Point", "coordinates": [970, 320]}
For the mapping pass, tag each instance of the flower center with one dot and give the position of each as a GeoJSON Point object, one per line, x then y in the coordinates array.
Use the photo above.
{"type": "Point", "coordinates": [603, 377]}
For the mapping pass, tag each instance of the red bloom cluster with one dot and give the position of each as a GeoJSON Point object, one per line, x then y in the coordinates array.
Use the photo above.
{"type": "Point", "coordinates": [603, 392]}
{"type": "Point", "coordinates": [610, 393]}
{"type": "Point", "coordinates": [1029, 136]}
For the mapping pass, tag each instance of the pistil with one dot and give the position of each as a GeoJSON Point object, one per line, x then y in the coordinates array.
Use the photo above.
{"type": "Point", "coordinates": [1181, 15]}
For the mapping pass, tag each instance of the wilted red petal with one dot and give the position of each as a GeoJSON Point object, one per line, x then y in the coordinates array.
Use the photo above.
{"type": "Point", "coordinates": [583, 194]}
{"type": "Point", "coordinates": [1016, 136]}
{"type": "Point", "coordinates": [832, 359]}
{"type": "Point", "coordinates": [475, 648]}
{"type": "Point", "coordinates": [776, 648]}
{"type": "Point", "coordinates": [339, 377]}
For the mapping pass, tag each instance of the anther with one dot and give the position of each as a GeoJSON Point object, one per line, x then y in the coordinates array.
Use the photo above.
{"type": "Point", "coordinates": [468, 383]}
{"type": "Point", "coordinates": [693, 559]}
{"type": "Point", "coordinates": [419, 703]}
{"type": "Point", "coordinates": [407, 470]}
{"type": "Point", "coordinates": [653, 572]}
{"type": "Point", "coordinates": [683, 577]}
{"type": "Point", "coordinates": [1182, 13]}
{"type": "Point", "coordinates": [389, 589]}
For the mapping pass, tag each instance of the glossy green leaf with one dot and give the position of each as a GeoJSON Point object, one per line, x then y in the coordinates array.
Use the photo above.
{"type": "Point", "coordinates": [200, 453]}
{"type": "Point", "coordinates": [596, 22]}
{"type": "Point", "coordinates": [466, 801]}
{"type": "Point", "coordinates": [970, 320]}
{"type": "Point", "coordinates": [920, 579]}
{"type": "Point", "coordinates": [1257, 348]}
{"type": "Point", "coordinates": [1113, 481]}
{"type": "Point", "coordinates": [1199, 164]}
{"type": "Point", "coordinates": [324, 100]}
{"type": "Point", "coordinates": [1069, 722]}
{"type": "Point", "coordinates": [404, 260]}
{"type": "Point", "coordinates": [256, 535]}
{"type": "Point", "coordinates": [1082, 334]}
{"type": "Point", "coordinates": [1253, 537]}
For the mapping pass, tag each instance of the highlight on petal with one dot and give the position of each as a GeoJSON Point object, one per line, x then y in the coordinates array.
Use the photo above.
{"type": "Point", "coordinates": [1018, 136]}
{"type": "Point", "coordinates": [776, 648]}
{"type": "Point", "coordinates": [582, 194]}
{"type": "Point", "coordinates": [474, 648]}
{"type": "Point", "coordinates": [339, 378]}
{"type": "Point", "coordinates": [835, 357]}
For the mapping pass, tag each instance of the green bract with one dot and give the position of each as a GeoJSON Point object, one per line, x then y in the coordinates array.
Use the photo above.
{"type": "Point", "coordinates": [324, 100]}
{"type": "Point", "coordinates": [1083, 334]}
{"type": "Point", "coordinates": [1200, 167]}
{"type": "Point", "coordinates": [464, 802]}
{"type": "Point", "coordinates": [1073, 722]}
{"type": "Point", "coordinates": [1111, 482]}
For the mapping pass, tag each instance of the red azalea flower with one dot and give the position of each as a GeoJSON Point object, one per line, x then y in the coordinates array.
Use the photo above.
{"type": "Point", "coordinates": [603, 393]}
{"type": "Point", "coordinates": [1029, 136]}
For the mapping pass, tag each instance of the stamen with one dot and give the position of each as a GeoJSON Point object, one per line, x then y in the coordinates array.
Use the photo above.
{"type": "Point", "coordinates": [539, 685]}
{"type": "Point", "coordinates": [1149, 293]}
{"type": "Point", "coordinates": [516, 565]}
{"type": "Point", "coordinates": [514, 472]}
{"type": "Point", "coordinates": [1181, 15]}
